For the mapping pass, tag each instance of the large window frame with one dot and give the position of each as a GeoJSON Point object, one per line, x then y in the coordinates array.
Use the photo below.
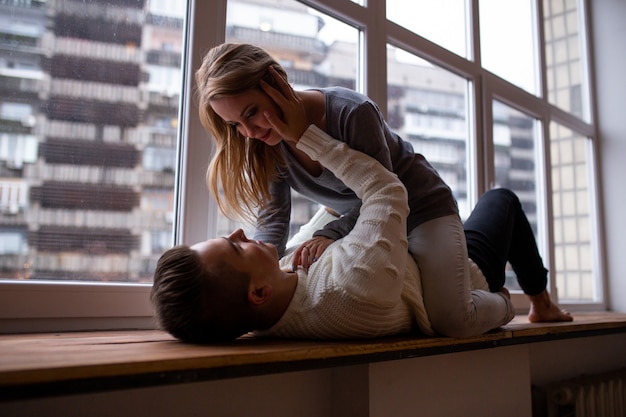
{"type": "Point", "coordinates": [41, 306]}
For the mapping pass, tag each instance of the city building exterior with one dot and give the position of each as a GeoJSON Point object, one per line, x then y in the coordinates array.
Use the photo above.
{"type": "Point", "coordinates": [89, 124]}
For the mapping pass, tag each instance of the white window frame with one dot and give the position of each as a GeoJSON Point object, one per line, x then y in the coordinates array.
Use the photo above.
{"type": "Point", "coordinates": [27, 306]}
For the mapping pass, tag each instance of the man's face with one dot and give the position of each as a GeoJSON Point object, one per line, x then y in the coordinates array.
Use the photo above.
{"type": "Point", "coordinates": [250, 256]}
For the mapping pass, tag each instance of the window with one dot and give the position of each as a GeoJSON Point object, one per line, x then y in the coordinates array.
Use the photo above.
{"type": "Point", "coordinates": [428, 106]}
{"type": "Point", "coordinates": [433, 21]}
{"type": "Point", "coordinates": [573, 215]}
{"type": "Point", "coordinates": [566, 77]}
{"type": "Point", "coordinates": [315, 49]}
{"type": "Point", "coordinates": [103, 158]}
{"type": "Point", "coordinates": [88, 138]}
{"type": "Point", "coordinates": [508, 41]}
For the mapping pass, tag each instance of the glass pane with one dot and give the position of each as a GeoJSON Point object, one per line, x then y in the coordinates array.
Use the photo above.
{"type": "Point", "coordinates": [565, 60]}
{"type": "Point", "coordinates": [427, 106]}
{"type": "Point", "coordinates": [515, 141]}
{"type": "Point", "coordinates": [88, 133]}
{"type": "Point", "coordinates": [507, 41]}
{"type": "Point", "coordinates": [315, 49]}
{"type": "Point", "coordinates": [573, 251]}
{"type": "Point", "coordinates": [442, 22]}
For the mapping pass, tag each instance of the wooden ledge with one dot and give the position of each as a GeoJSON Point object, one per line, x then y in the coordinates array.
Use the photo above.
{"type": "Point", "coordinates": [37, 365]}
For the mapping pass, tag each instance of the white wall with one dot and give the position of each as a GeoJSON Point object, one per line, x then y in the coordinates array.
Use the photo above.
{"type": "Point", "coordinates": [609, 38]}
{"type": "Point", "coordinates": [488, 382]}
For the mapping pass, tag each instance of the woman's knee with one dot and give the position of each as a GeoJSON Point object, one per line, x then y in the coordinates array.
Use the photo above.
{"type": "Point", "coordinates": [501, 194]}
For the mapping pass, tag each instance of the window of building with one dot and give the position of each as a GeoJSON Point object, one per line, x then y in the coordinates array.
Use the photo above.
{"type": "Point", "coordinates": [102, 156]}
{"type": "Point", "coordinates": [159, 159]}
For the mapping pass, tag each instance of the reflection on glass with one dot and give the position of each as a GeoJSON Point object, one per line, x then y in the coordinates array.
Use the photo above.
{"type": "Point", "coordinates": [442, 22]}
{"type": "Point", "coordinates": [88, 131]}
{"type": "Point", "coordinates": [507, 41]}
{"type": "Point", "coordinates": [573, 252]}
{"type": "Point", "coordinates": [515, 140]}
{"type": "Point", "coordinates": [315, 49]}
{"type": "Point", "coordinates": [565, 60]}
{"type": "Point", "coordinates": [427, 106]}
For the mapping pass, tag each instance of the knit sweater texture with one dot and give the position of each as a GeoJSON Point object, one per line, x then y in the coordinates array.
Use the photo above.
{"type": "Point", "coordinates": [365, 284]}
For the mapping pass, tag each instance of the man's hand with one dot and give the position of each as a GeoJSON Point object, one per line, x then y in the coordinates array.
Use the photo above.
{"type": "Point", "coordinates": [310, 251]}
{"type": "Point", "coordinates": [294, 120]}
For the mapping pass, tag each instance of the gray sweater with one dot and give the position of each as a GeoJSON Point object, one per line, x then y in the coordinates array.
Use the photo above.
{"type": "Point", "coordinates": [354, 119]}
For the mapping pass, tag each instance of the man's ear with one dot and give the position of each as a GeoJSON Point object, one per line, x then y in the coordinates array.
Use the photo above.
{"type": "Point", "coordinates": [258, 295]}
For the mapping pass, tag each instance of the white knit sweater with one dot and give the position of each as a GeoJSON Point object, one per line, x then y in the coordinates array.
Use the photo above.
{"type": "Point", "coordinates": [366, 284]}
{"type": "Point", "coordinates": [363, 285]}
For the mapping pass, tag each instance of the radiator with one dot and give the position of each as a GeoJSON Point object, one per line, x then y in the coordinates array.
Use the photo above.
{"type": "Point", "coordinates": [602, 395]}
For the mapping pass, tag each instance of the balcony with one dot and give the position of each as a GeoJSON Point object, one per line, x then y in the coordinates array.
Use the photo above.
{"type": "Point", "coordinates": [83, 239]}
{"type": "Point", "coordinates": [97, 29]}
{"type": "Point", "coordinates": [81, 152]}
{"type": "Point", "coordinates": [163, 58]}
{"type": "Point", "coordinates": [97, 112]}
{"type": "Point", "coordinates": [16, 86]}
{"type": "Point", "coordinates": [164, 103]}
{"type": "Point", "coordinates": [85, 196]}
{"type": "Point", "coordinates": [97, 70]}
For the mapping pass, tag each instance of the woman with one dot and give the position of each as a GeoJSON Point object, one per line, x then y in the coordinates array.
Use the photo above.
{"type": "Point", "coordinates": [243, 95]}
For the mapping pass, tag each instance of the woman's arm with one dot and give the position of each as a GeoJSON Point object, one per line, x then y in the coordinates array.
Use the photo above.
{"type": "Point", "coordinates": [274, 219]}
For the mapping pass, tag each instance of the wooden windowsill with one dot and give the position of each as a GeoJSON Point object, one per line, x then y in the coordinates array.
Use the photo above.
{"type": "Point", "coordinates": [36, 365]}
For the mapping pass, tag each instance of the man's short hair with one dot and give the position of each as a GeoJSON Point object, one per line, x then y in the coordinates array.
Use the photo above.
{"type": "Point", "coordinates": [199, 303]}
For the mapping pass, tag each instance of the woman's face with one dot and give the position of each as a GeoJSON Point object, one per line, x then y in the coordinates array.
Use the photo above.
{"type": "Point", "coordinates": [245, 112]}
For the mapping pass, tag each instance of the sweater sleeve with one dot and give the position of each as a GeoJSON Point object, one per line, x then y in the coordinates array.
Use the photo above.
{"type": "Point", "coordinates": [273, 224]}
{"type": "Point", "coordinates": [370, 261]}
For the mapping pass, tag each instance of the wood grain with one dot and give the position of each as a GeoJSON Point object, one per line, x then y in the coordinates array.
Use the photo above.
{"type": "Point", "coordinates": [38, 359]}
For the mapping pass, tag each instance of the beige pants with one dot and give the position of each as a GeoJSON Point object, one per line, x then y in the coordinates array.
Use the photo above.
{"type": "Point", "coordinates": [453, 307]}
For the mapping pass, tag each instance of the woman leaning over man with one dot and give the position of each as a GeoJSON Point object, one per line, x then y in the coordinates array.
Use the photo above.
{"type": "Point", "coordinates": [238, 86]}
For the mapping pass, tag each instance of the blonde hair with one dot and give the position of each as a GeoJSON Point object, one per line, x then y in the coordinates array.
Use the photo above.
{"type": "Point", "coordinates": [243, 167]}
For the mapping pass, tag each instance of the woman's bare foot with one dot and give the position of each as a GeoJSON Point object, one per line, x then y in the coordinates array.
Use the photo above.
{"type": "Point", "coordinates": [542, 309]}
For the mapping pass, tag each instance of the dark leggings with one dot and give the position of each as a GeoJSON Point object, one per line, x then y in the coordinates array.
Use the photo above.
{"type": "Point", "coordinates": [498, 231]}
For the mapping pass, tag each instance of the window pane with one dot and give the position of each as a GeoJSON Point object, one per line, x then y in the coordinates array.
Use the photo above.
{"type": "Point", "coordinates": [507, 41]}
{"type": "Point", "coordinates": [88, 132]}
{"type": "Point", "coordinates": [573, 251]}
{"type": "Point", "coordinates": [565, 62]}
{"type": "Point", "coordinates": [316, 51]}
{"type": "Point", "coordinates": [427, 106]}
{"type": "Point", "coordinates": [515, 141]}
{"type": "Point", "coordinates": [442, 22]}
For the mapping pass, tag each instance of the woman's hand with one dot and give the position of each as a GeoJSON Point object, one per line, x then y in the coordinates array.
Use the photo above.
{"type": "Point", "coordinates": [310, 251]}
{"type": "Point", "coordinates": [294, 120]}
